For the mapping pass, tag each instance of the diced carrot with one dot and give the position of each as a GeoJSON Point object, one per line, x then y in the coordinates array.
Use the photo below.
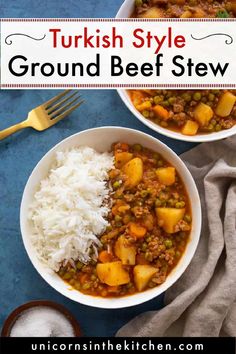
{"type": "Point", "coordinates": [137, 97]}
{"type": "Point", "coordinates": [161, 112]}
{"type": "Point", "coordinates": [136, 230]}
{"type": "Point", "coordinates": [105, 257]}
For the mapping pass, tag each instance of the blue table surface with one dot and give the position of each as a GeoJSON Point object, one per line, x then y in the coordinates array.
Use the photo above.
{"type": "Point", "coordinates": [19, 281]}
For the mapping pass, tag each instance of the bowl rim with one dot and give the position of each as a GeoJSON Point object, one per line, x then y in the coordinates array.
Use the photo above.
{"type": "Point", "coordinates": [199, 138]}
{"type": "Point", "coordinates": [16, 313]}
{"type": "Point", "coordinates": [138, 298]}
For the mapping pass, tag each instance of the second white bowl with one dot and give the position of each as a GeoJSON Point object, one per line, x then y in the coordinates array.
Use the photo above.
{"type": "Point", "coordinates": [125, 11]}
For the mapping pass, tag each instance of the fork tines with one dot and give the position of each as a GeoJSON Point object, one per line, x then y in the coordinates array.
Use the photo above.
{"type": "Point", "coordinates": [61, 105]}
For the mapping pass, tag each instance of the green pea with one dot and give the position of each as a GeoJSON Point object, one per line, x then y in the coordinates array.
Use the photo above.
{"type": "Point", "coordinates": [79, 265]}
{"type": "Point", "coordinates": [148, 239]}
{"type": "Point", "coordinates": [168, 243]}
{"type": "Point", "coordinates": [187, 218]}
{"type": "Point", "coordinates": [180, 205]}
{"type": "Point", "coordinates": [172, 100]}
{"type": "Point", "coordinates": [177, 254]}
{"type": "Point", "coordinates": [138, 3]}
{"type": "Point", "coordinates": [156, 156]}
{"type": "Point", "coordinates": [222, 14]}
{"type": "Point", "coordinates": [144, 193]}
{"type": "Point", "coordinates": [144, 247]}
{"type": "Point", "coordinates": [116, 184]}
{"type": "Point", "coordinates": [137, 147]}
{"type": "Point", "coordinates": [93, 277]}
{"type": "Point", "coordinates": [118, 218]}
{"type": "Point", "coordinates": [211, 97]}
{"type": "Point", "coordinates": [67, 276]}
{"type": "Point", "coordinates": [171, 202]}
{"type": "Point", "coordinates": [197, 96]}
{"type": "Point", "coordinates": [148, 256]}
{"type": "Point", "coordinates": [146, 113]}
{"type": "Point", "coordinates": [187, 97]}
{"type": "Point", "coordinates": [217, 127]}
{"type": "Point", "coordinates": [86, 286]}
{"type": "Point", "coordinates": [162, 196]}
{"type": "Point", "coordinates": [157, 99]}
{"type": "Point", "coordinates": [109, 228]}
{"type": "Point", "coordinates": [210, 127]}
{"type": "Point", "coordinates": [158, 203]}
{"type": "Point", "coordinates": [165, 104]}
{"type": "Point", "coordinates": [213, 122]}
{"type": "Point", "coordinates": [160, 163]}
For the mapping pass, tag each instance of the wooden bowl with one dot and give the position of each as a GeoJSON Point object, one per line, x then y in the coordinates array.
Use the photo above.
{"type": "Point", "coordinates": [11, 319]}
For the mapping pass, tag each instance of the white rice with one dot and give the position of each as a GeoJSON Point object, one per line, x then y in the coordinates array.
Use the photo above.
{"type": "Point", "coordinates": [70, 208]}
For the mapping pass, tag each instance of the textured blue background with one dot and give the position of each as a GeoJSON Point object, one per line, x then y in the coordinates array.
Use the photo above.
{"type": "Point", "coordinates": [19, 281]}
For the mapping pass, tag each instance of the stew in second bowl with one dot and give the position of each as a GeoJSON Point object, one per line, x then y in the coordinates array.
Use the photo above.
{"type": "Point", "coordinates": [189, 112]}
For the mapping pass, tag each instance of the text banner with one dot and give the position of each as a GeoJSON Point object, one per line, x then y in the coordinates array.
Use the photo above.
{"type": "Point", "coordinates": [116, 53]}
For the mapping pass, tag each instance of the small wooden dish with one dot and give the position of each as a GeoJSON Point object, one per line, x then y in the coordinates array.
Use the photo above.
{"type": "Point", "coordinates": [11, 319]}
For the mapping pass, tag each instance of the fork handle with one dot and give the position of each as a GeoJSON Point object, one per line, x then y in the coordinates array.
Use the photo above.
{"type": "Point", "coordinates": [13, 129]}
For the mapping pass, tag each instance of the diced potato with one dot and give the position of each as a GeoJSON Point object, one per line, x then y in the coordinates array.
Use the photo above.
{"type": "Point", "coordinates": [225, 104]}
{"type": "Point", "coordinates": [153, 12]}
{"type": "Point", "coordinates": [105, 257]}
{"type": "Point", "coordinates": [166, 175]}
{"type": "Point", "coordinates": [143, 106]}
{"type": "Point", "coordinates": [190, 128]}
{"type": "Point", "coordinates": [112, 273]}
{"type": "Point", "coordinates": [125, 252]}
{"type": "Point", "coordinates": [134, 171]}
{"type": "Point", "coordinates": [203, 114]}
{"type": "Point", "coordinates": [136, 230]}
{"type": "Point", "coordinates": [142, 275]}
{"type": "Point", "coordinates": [121, 158]}
{"type": "Point", "coordinates": [161, 112]}
{"type": "Point", "coordinates": [169, 217]}
{"type": "Point", "coordinates": [186, 14]}
{"type": "Point", "coordinates": [199, 13]}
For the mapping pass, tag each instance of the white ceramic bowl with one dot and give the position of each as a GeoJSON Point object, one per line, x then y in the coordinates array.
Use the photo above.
{"type": "Point", "coordinates": [125, 11]}
{"type": "Point", "coordinates": [101, 140]}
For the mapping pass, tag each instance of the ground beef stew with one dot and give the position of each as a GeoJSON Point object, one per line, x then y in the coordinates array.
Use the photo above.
{"type": "Point", "coordinates": [184, 8]}
{"type": "Point", "coordinates": [189, 111]}
{"type": "Point", "coordinates": [149, 226]}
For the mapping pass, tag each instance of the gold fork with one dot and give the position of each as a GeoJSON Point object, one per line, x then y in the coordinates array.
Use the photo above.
{"type": "Point", "coordinates": [47, 114]}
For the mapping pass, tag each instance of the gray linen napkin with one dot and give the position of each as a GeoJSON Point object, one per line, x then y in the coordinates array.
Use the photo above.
{"type": "Point", "coordinates": [203, 301]}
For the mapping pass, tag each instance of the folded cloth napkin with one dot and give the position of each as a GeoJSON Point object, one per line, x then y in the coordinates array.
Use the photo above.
{"type": "Point", "coordinates": [203, 300]}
